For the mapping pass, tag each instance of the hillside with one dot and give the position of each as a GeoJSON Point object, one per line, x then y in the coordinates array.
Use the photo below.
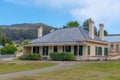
{"type": "Point", "coordinates": [23, 31]}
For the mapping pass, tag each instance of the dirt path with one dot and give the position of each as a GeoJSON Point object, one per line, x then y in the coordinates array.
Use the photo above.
{"type": "Point", "coordinates": [60, 65]}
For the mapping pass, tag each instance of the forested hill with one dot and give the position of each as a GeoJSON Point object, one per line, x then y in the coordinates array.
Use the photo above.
{"type": "Point", "coordinates": [23, 31]}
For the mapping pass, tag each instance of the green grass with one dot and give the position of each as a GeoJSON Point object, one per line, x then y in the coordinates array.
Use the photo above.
{"type": "Point", "coordinates": [83, 71]}
{"type": "Point", "coordinates": [17, 66]}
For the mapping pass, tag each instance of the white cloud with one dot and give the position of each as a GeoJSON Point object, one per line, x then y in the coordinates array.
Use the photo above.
{"type": "Point", "coordinates": [105, 11]}
{"type": "Point", "coordinates": [101, 10]}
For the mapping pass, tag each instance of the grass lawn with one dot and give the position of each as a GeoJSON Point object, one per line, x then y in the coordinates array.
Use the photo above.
{"type": "Point", "coordinates": [83, 71]}
{"type": "Point", "coordinates": [17, 66]}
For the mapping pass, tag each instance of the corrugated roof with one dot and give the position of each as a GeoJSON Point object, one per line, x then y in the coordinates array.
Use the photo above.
{"type": "Point", "coordinates": [113, 38]}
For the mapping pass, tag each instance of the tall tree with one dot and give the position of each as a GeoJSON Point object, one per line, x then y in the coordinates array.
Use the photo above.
{"type": "Point", "coordinates": [86, 26]}
{"type": "Point", "coordinates": [105, 33]}
{"type": "Point", "coordinates": [71, 24]}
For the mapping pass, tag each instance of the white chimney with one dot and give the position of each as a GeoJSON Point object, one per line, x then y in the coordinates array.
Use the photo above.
{"type": "Point", "coordinates": [91, 28]}
{"type": "Point", "coordinates": [101, 31]}
{"type": "Point", "coordinates": [52, 30]}
{"type": "Point", "coordinates": [40, 31]}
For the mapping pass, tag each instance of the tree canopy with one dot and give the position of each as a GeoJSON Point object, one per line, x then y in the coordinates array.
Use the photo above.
{"type": "Point", "coordinates": [71, 24]}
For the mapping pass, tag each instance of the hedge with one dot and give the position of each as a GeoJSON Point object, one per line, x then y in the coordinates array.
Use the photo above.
{"type": "Point", "coordinates": [31, 56]}
{"type": "Point", "coordinates": [62, 56]}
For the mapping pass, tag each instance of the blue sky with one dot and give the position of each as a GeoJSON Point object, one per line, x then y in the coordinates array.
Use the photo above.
{"type": "Point", "coordinates": [58, 12]}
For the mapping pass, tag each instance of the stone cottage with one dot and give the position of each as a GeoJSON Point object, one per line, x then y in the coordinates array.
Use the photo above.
{"type": "Point", "coordinates": [83, 44]}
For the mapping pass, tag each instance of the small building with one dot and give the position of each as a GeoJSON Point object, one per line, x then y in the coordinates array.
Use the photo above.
{"type": "Point", "coordinates": [114, 44]}
{"type": "Point", "coordinates": [83, 44]}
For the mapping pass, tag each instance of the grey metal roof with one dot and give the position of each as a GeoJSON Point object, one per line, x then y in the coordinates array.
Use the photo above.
{"type": "Point", "coordinates": [64, 36]}
{"type": "Point", "coordinates": [69, 34]}
{"type": "Point", "coordinates": [113, 38]}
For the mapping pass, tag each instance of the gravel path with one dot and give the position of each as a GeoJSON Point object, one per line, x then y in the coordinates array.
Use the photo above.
{"type": "Point", "coordinates": [30, 72]}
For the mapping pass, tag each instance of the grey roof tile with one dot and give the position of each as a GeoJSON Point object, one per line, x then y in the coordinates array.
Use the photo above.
{"type": "Point", "coordinates": [69, 34]}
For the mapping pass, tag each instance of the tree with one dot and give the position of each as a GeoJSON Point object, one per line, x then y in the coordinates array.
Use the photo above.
{"type": "Point", "coordinates": [97, 32]}
{"type": "Point", "coordinates": [4, 40]}
{"type": "Point", "coordinates": [71, 24]}
{"type": "Point", "coordinates": [25, 42]}
{"type": "Point", "coordinates": [105, 33]}
{"type": "Point", "coordinates": [86, 26]}
{"type": "Point", "coordinates": [8, 49]}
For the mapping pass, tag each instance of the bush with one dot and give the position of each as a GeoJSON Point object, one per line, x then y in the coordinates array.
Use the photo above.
{"type": "Point", "coordinates": [8, 49]}
{"type": "Point", "coordinates": [62, 56]}
{"type": "Point", "coordinates": [32, 56]}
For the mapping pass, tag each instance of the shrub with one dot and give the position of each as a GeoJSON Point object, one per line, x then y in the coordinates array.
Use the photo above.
{"type": "Point", "coordinates": [8, 49]}
{"type": "Point", "coordinates": [62, 56]}
{"type": "Point", "coordinates": [32, 56]}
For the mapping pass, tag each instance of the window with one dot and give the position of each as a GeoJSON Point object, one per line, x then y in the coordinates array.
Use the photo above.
{"type": "Point", "coordinates": [68, 48]}
{"type": "Point", "coordinates": [55, 48]}
{"type": "Point", "coordinates": [88, 50]}
{"type": "Point", "coordinates": [36, 50]}
{"type": "Point", "coordinates": [45, 50]}
{"type": "Point", "coordinates": [106, 51]}
{"type": "Point", "coordinates": [98, 51]}
{"type": "Point", "coordinates": [80, 50]}
{"type": "Point", "coordinates": [75, 50]}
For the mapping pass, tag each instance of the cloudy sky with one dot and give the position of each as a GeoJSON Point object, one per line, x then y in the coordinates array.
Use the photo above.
{"type": "Point", "coordinates": [58, 12]}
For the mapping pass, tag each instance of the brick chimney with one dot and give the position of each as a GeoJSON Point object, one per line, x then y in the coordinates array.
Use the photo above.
{"type": "Point", "coordinates": [40, 31]}
{"type": "Point", "coordinates": [91, 28]}
{"type": "Point", "coordinates": [101, 31]}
